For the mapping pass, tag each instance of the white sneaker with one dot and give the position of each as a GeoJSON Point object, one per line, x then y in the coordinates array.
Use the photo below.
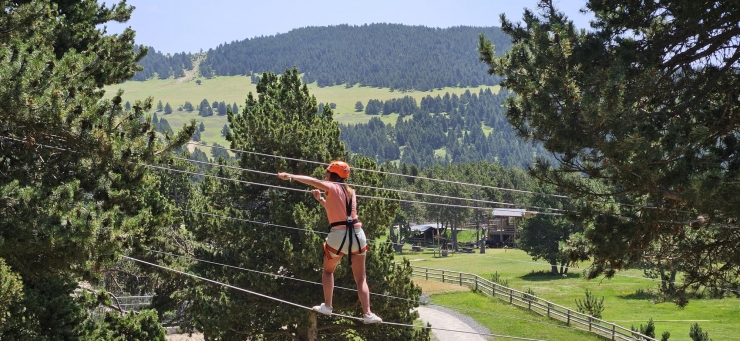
{"type": "Point", "coordinates": [322, 309]}
{"type": "Point", "coordinates": [371, 318]}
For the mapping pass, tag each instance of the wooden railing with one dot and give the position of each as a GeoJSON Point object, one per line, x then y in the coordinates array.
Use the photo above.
{"type": "Point", "coordinates": [538, 305]}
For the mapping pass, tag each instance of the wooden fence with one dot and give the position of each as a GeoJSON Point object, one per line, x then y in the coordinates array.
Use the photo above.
{"type": "Point", "coordinates": [125, 303]}
{"type": "Point", "coordinates": [524, 300]}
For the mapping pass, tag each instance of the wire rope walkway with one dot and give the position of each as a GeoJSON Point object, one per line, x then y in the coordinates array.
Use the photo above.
{"type": "Point", "coordinates": [273, 275]}
{"type": "Point", "coordinates": [309, 309]}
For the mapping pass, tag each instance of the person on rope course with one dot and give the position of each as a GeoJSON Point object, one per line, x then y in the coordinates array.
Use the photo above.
{"type": "Point", "coordinates": [345, 237]}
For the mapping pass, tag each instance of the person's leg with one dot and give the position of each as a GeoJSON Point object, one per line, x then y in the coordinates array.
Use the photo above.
{"type": "Point", "coordinates": [327, 278]}
{"type": "Point", "coordinates": [358, 270]}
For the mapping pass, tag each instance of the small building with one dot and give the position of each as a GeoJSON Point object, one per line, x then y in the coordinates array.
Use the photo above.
{"type": "Point", "coordinates": [502, 226]}
{"type": "Point", "coordinates": [424, 233]}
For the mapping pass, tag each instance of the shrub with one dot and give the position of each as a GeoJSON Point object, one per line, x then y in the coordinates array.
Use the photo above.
{"type": "Point", "coordinates": [591, 305]}
{"type": "Point", "coordinates": [648, 330]}
{"type": "Point", "coordinates": [529, 295]}
{"type": "Point", "coordinates": [496, 278]}
{"type": "Point", "coordinates": [696, 333]}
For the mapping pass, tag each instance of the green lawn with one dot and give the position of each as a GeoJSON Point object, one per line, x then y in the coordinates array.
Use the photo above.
{"type": "Point", "coordinates": [504, 319]}
{"type": "Point", "coordinates": [234, 89]}
{"type": "Point", "coordinates": [624, 303]}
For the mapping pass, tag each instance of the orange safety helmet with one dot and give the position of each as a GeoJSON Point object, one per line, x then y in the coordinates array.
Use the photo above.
{"type": "Point", "coordinates": [340, 168]}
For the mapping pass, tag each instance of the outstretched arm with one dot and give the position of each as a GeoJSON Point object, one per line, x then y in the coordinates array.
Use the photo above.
{"type": "Point", "coordinates": [320, 184]}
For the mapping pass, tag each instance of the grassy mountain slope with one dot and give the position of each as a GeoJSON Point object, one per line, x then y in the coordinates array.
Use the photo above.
{"type": "Point", "coordinates": [234, 89]}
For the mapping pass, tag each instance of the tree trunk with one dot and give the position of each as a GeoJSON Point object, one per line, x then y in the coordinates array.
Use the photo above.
{"type": "Point", "coordinates": [454, 235]}
{"type": "Point", "coordinates": [396, 238]}
{"type": "Point", "coordinates": [667, 278]}
{"type": "Point", "coordinates": [564, 268]}
{"type": "Point", "coordinates": [554, 267]}
{"type": "Point", "coordinates": [310, 332]}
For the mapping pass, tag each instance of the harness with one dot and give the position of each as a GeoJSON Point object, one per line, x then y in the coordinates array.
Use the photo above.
{"type": "Point", "coordinates": [349, 226]}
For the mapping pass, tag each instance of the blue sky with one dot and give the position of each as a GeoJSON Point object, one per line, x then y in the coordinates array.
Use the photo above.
{"type": "Point", "coordinates": [189, 25]}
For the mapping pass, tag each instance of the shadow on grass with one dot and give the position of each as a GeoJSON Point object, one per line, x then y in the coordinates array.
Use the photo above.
{"type": "Point", "coordinates": [640, 294]}
{"type": "Point", "coordinates": [542, 276]}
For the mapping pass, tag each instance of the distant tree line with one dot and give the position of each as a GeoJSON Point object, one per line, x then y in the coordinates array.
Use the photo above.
{"type": "Point", "coordinates": [451, 123]}
{"type": "Point", "coordinates": [161, 125]}
{"type": "Point", "coordinates": [206, 108]}
{"type": "Point", "coordinates": [381, 55]}
{"type": "Point", "coordinates": [164, 66]}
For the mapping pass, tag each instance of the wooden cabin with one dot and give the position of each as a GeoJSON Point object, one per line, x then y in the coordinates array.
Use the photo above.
{"type": "Point", "coordinates": [501, 226]}
{"type": "Point", "coordinates": [424, 233]}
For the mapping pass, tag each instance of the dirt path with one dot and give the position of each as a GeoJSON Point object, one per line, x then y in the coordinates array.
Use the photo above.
{"type": "Point", "coordinates": [191, 74]}
{"type": "Point", "coordinates": [455, 328]}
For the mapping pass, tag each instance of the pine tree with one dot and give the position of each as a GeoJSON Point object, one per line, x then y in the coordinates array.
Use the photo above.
{"type": "Point", "coordinates": [697, 334]}
{"type": "Point", "coordinates": [164, 127]}
{"type": "Point", "coordinates": [75, 196]}
{"type": "Point", "coordinates": [283, 119]}
{"type": "Point", "coordinates": [202, 127]}
{"type": "Point", "coordinates": [359, 107]}
{"type": "Point", "coordinates": [219, 152]}
{"type": "Point", "coordinates": [641, 104]}
{"type": "Point", "coordinates": [159, 106]}
{"type": "Point", "coordinates": [167, 109]}
{"type": "Point", "coordinates": [204, 109]}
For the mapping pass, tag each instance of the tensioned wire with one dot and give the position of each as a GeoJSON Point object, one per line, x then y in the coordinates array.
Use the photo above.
{"type": "Point", "coordinates": [421, 177]}
{"type": "Point", "coordinates": [376, 188]}
{"type": "Point", "coordinates": [391, 173]}
{"type": "Point", "coordinates": [388, 242]}
{"type": "Point", "coordinates": [308, 191]}
{"type": "Point", "coordinates": [294, 189]}
{"type": "Point", "coordinates": [404, 175]}
{"type": "Point", "coordinates": [271, 224]}
{"type": "Point", "coordinates": [281, 187]}
{"type": "Point", "coordinates": [273, 275]}
{"type": "Point", "coordinates": [255, 222]}
{"type": "Point", "coordinates": [380, 188]}
{"type": "Point", "coordinates": [309, 309]}
{"type": "Point", "coordinates": [350, 289]}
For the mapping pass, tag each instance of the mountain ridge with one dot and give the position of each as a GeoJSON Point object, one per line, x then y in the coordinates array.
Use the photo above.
{"type": "Point", "coordinates": [391, 56]}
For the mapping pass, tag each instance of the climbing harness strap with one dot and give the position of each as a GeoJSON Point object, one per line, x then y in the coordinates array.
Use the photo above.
{"type": "Point", "coordinates": [349, 232]}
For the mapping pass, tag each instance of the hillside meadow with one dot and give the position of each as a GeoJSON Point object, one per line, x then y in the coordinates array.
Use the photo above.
{"type": "Point", "coordinates": [234, 89]}
{"type": "Point", "coordinates": [628, 299]}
